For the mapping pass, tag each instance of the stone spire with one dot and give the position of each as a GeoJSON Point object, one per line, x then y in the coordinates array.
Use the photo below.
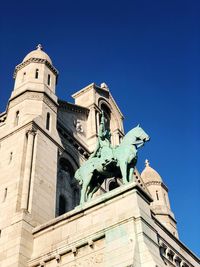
{"type": "Point", "coordinates": [159, 192]}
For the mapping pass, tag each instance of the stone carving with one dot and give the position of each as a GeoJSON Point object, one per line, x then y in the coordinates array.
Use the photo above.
{"type": "Point", "coordinates": [94, 260]}
{"type": "Point", "coordinates": [107, 161]}
{"type": "Point", "coordinates": [78, 126]}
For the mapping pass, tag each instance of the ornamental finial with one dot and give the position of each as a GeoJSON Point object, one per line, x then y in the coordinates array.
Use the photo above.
{"type": "Point", "coordinates": [39, 47]}
{"type": "Point", "coordinates": [147, 163]}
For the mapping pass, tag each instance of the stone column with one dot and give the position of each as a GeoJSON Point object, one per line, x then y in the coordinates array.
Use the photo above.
{"type": "Point", "coordinates": [28, 168]}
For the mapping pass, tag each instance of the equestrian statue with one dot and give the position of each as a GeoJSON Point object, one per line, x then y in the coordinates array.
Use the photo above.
{"type": "Point", "coordinates": [108, 161]}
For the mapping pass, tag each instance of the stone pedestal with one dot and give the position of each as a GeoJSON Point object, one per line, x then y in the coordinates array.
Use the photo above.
{"type": "Point", "coordinates": [115, 229]}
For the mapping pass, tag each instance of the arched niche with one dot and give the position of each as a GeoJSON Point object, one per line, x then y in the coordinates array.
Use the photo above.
{"type": "Point", "coordinates": [107, 114]}
{"type": "Point", "coordinates": [112, 120]}
{"type": "Point", "coordinates": [68, 190]}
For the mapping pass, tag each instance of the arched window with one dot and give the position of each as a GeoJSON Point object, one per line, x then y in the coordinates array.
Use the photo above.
{"type": "Point", "coordinates": [67, 187]}
{"type": "Point", "coordinates": [62, 205]}
{"type": "Point", "coordinates": [17, 118]}
{"type": "Point", "coordinates": [107, 114]}
{"type": "Point", "coordinates": [112, 185]}
{"type": "Point", "coordinates": [36, 73]}
{"type": "Point", "coordinates": [49, 79]}
{"type": "Point", "coordinates": [48, 121]}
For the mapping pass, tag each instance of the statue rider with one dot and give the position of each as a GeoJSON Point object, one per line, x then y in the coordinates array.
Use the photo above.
{"type": "Point", "coordinates": [103, 149]}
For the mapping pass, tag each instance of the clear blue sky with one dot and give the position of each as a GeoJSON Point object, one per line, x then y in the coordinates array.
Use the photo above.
{"type": "Point", "coordinates": [148, 52]}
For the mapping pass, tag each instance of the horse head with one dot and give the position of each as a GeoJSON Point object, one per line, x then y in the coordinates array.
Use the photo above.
{"type": "Point", "coordinates": [140, 134]}
{"type": "Point", "coordinates": [136, 136]}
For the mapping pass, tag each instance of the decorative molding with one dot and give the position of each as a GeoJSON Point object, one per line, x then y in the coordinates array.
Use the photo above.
{"type": "Point", "coordinates": [33, 95]}
{"type": "Point", "coordinates": [64, 105]}
{"type": "Point", "coordinates": [83, 90]}
{"type": "Point", "coordinates": [171, 256]}
{"type": "Point", "coordinates": [157, 183]}
{"type": "Point", "coordinates": [74, 248]}
{"type": "Point", "coordinates": [32, 131]}
{"type": "Point", "coordinates": [35, 60]}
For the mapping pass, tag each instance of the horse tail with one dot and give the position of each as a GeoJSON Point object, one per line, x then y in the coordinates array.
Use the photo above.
{"type": "Point", "coordinates": [78, 177]}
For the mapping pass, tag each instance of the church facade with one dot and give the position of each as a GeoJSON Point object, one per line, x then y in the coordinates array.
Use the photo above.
{"type": "Point", "coordinates": [43, 141]}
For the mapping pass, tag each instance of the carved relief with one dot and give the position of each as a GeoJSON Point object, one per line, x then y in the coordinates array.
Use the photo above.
{"type": "Point", "coordinates": [78, 126]}
{"type": "Point", "coordinates": [90, 261]}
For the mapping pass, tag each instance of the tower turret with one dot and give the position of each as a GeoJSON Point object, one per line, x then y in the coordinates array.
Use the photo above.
{"type": "Point", "coordinates": [159, 193]}
{"type": "Point", "coordinates": [36, 72]}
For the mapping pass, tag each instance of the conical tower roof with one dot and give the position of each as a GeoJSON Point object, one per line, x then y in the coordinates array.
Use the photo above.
{"type": "Point", "coordinates": [149, 174]}
{"type": "Point", "coordinates": [38, 53]}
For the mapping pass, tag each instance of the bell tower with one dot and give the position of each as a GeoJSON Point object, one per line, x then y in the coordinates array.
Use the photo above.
{"type": "Point", "coordinates": [29, 144]}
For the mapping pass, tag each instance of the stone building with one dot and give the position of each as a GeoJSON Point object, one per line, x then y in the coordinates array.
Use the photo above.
{"type": "Point", "coordinates": [43, 141]}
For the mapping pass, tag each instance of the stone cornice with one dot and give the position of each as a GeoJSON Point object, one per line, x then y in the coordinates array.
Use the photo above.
{"type": "Point", "coordinates": [64, 105]}
{"type": "Point", "coordinates": [35, 60]}
{"type": "Point", "coordinates": [33, 95]}
{"type": "Point", "coordinates": [83, 90]}
{"type": "Point", "coordinates": [33, 126]}
{"type": "Point", "coordinates": [157, 183]}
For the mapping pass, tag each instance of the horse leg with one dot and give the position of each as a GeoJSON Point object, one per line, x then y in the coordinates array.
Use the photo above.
{"type": "Point", "coordinates": [123, 169]}
{"type": "Point", "coordinates": [83, 193]}
{"type": "Point", "coordinates": [131, 174]}
{"type": "Point", "coordinates": [93, 191]}
{"type": "Point", "coordinates": [89, 187]}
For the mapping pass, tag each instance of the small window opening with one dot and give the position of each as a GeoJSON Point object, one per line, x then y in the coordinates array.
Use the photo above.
{"type": "Point", "coordinates": [62, 205]}
{"type": "Point", "coordinates": [11, 157]}
{"type": "Point", "coordinates": [48, 121]}
{"type": "Point", "coordinates": [17, 118]}
{"type": "Point", "coordinates": [49, 79]}
{"type": "Point", "coordinates": [157, 196]}
{"type": "Point", "coordinates": [5, 194]}
{"type": "Point", "coordinates": [24, 77]}
{"type": "Point", "coordinates": [36, 73]}
{"type": "Point", "coordinates": [0, 233]}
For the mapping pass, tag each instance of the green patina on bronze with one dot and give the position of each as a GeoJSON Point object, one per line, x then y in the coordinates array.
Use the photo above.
{"type": "Point", "coordinates": [107, 161]}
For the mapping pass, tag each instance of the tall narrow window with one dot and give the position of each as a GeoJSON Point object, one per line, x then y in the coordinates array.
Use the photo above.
{"type": "Point", "coordinates": [49, 79]}
{"type": "Point", "coordinates": [36, 73]}
{"type": "Point", "coordinates": [11, 157]}
{"type": "Point", "coordinates": [17, 118]}
{"type": "Point", "coordinates": [48, 121]}
{"type": "Point", "coordinates": [24, 77]}
{"type": "Point", "coordinates": [157, 195]}
{"type": "Point", "coordinates": [5, 194]}
{"type": "Point", "coordinates": [62, 205]}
